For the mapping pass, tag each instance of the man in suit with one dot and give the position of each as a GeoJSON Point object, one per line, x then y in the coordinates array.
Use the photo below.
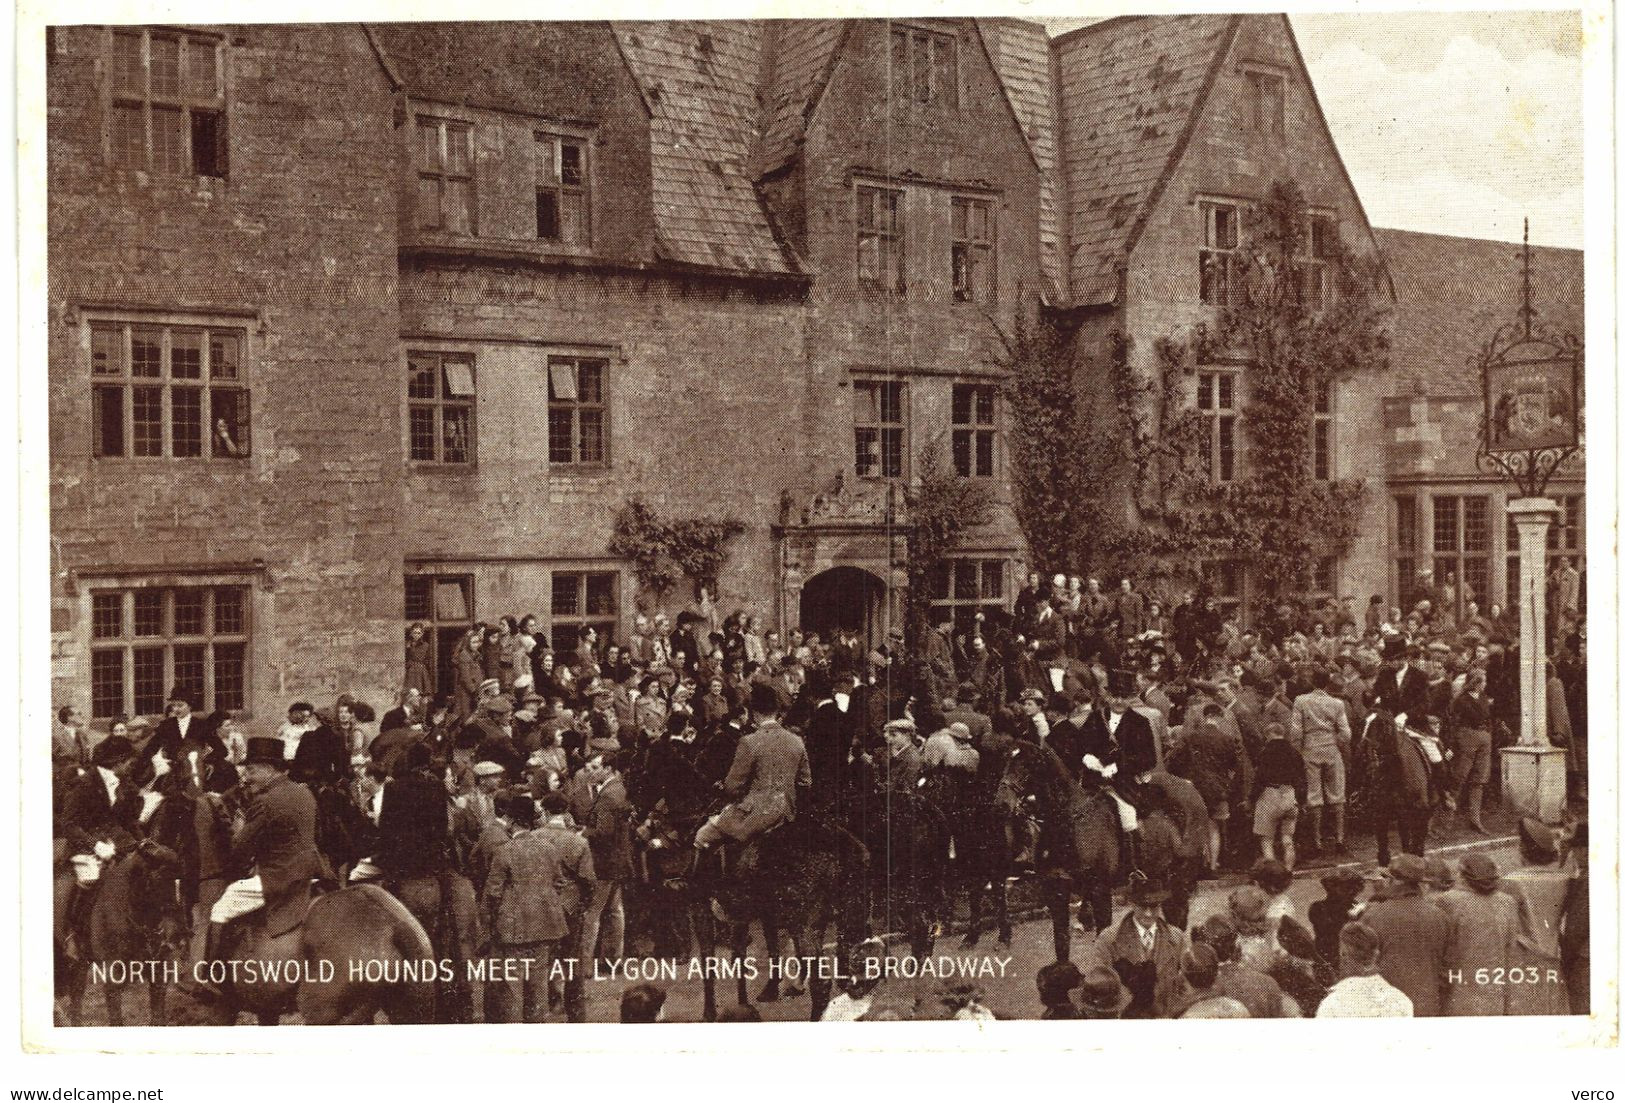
{"type": "Point", "coordinates": [1094, 614]}
{"type": "Point", "coordinates": [901, 765]}
{"type": "Point", "coordinates": [1129, 612]}
{"type": "Point", "coordinates": [1414, 933]}
{"type": "Point", "coordinates": [277, 840]}
{"type": "Point", "coordinates": [833, 731]}
{"type": "Point", "coordinates": [97, 817]}
{"type": "Point", "coordinates": [575, 889]}
{"type": "Point", "coordinates": [524, 916]}
{"type": "Point", "coordinates": [1146, 950]}
{"type": "Point", "coordinates": [1117, 750]}
{"type": "Point", "coordinates": [407, 714]}
{"type": "Point", "coordinates": [599, 803]}
{"type": "Point", "coordinates": [769, 769]}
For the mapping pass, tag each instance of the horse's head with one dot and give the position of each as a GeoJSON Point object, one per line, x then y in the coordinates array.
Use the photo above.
{"type": "Point", "coordinates": [662, 843]}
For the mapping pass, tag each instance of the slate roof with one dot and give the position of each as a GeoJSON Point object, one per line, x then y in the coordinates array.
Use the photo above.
{"type": "Point", "coordinates": [1021, 56]}
{"type": "Point", "coordinates": [1454, 291]}
{"type": "Point", "coordinates": [499, 65]}
{"type": "Point", "coordinates": [1127, 92]}
{"type": "Point", "coordinates": [803, 55]}
{"type": "Point", "coordinates": [699, 78]}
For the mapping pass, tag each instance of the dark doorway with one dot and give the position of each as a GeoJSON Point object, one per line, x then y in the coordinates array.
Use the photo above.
{"type": "Point", "coordinates": [843, 597]}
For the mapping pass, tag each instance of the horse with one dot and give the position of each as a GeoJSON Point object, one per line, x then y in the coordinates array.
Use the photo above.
{"type": "Point", "coordinates": [1079, 839]}
{"type": "Point", "coordinates": [134, 916]}
{"type": "Point", "coordinates": [981, 848]}
{"type": "Point", "coordinates": [810, 875]}
{"type": "Point", "coordinates": [358, 952]}
{"type": "Point", "coordinates": [445, 906]}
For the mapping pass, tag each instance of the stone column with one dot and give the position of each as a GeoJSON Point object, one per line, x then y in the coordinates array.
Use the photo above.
{"type": "Point", "coordinates": [1533, 778]}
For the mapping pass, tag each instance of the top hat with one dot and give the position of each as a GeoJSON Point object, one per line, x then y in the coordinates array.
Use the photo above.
{"type": "Point", "coordinates": [1146, 890]}
{"type": "Point", "coordinates": [265, 750]}
{"type": "Point", "coordinates": [1120, 683]}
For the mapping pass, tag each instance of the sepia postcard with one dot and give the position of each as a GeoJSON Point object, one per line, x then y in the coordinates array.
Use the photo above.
{"type": "Point", "coordinates": [941, 516]}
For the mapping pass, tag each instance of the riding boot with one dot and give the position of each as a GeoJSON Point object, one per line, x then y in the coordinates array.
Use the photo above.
{"type": "Point", "coordinates": [200, 985]}
{"type": "Point", "coordinates": [1475, 809]}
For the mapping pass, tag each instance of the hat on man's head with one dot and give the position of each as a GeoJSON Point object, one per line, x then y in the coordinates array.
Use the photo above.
{"type": "Point", "coordinates": [498, 706]}
{"type": "Point", "coordinates": [1439, 873]}
{"type": "Point", "coordinates": [960, 731]}
{"type": "Point", "coordinates": [486, 768]}
{"type": "Point", "coordinates": [111, 751]}
{"type": "Point", "coordinates": [489, 686]}
{"type": "Point", "coordinates": [1408, 869]}
{"type": "Point", "coordinates": [1342, 880]}
{"type": "Point", "coordinates": [1146, 890]}
{"type": "Point", "coordinates": [1101, 994]}
{"type": "Point", "coordinates": [265, 750]}
{"type": "Point", "coordinates": [1120, 683]}
{"type": "Point", "coordinates": [1036, 696]}
{"type": "Point", "coordinates": [1056, 980]}
{"type": "Point", "coordinates": [1480, 872]}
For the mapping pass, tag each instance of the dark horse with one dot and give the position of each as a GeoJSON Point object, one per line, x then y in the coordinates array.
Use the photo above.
{"type": "Point", "coordinates": [445, 905]}
{"type": "Point", "coordinates": [1079, 839]}
{"type": "Point", "coordinates": [134, 916]}
{"type": "Point", "coordinates": [808, 882]}
{"type": "Point", "coordinates": [358, 952]}
{"type": "Point", "coordinates": [980, 852]}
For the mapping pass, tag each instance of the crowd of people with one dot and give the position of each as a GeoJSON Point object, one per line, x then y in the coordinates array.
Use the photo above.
{"type": "Point", "coordinates": [533, 770]}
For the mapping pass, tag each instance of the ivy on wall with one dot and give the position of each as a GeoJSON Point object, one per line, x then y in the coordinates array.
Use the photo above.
{"type": "Point", "coordinates": [663, 551]}
{"type": "Point", "coordinates": [942, 506]}
{"type": "Point", "coordinates": [1117, 484]}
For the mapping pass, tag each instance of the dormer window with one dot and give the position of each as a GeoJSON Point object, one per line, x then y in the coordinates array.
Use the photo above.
{"type": "Point", "coordinates": [562, 189]}
{"type": "Point", "coordinates": [924, 67]}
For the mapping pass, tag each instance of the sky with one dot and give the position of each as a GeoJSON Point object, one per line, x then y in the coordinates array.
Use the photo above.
{"type": "Point", "coordinates": [1455, 123]}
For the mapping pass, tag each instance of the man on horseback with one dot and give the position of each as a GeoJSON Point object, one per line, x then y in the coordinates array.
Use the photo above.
{"type": "Point", "coordinates": [277, 839]}
{"type": "Point", "coordinates": [769, 767]}
{"type": "Point", "coordinates": [1117, 751]}
{"type": "Point", "coordinates": [98, 817]}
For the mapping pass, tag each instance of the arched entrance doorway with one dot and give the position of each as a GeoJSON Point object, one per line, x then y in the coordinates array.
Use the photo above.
{"type": "Point", "coordinates": [843, 597]}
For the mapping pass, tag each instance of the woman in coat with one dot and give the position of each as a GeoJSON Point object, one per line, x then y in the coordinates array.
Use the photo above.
{"type": "Point", "coordinates": [469, 671]}
{"type": "Point", "coordinates": [419, 672]}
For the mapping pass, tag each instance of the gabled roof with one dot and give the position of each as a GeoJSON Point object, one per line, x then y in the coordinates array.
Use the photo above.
{"type": "Point", "coordinates": [1021, 55]}
{"type": "Point", "coordinates": [699, 79]}
{"type": "Point", "coordinates": [514, 65]}
{"type": "Point", "coordinates": [1128, 93]}
{"type": "Point", "coordinates": [1454, 291]}
{"type": "Point", "coordinates": [802, 56]}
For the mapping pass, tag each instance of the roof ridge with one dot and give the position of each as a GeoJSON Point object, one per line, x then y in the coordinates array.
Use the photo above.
{"type": "Point", "coordinates": [1192, 118]}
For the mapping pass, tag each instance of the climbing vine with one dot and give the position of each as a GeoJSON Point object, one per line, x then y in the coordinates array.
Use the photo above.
{"type": "Point", "coordinates": [662, 551]}
{"type": "Point", "coordinates": [1117, 482]}
{"type": "Point", "coordinates": [942, 506]}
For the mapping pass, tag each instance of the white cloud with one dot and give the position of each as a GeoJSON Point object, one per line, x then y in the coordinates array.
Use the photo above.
{"type": "Point", "coordinates": [1466, 143]}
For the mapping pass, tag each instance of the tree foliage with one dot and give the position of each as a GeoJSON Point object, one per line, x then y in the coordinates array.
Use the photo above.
{"type": "Point", "coordinates": [662, 551]}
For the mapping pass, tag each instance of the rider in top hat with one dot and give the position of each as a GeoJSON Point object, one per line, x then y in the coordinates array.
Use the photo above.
{"type": "Point", "coordinates": [1118, 750]}
{"type": "Point", "coordinates": [769, 768]}
{"type": "Point", "coordinates": [277, 839]}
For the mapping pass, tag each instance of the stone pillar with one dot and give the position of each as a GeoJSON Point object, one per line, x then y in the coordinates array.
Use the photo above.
{"type": "Point", "coordinates": [1533, 772]}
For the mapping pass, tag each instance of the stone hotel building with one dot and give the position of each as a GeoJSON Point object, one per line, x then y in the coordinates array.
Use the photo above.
{"type": "Point", "coordinates": [358, 325]}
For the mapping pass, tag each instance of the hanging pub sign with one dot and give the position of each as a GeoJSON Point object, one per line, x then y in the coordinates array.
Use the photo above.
{"type": "Point", "coordinates": [1531, 397]}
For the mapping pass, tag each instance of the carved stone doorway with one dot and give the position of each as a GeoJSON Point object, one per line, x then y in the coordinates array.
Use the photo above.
{"type": "Point", "coordinates": [844, 597]}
